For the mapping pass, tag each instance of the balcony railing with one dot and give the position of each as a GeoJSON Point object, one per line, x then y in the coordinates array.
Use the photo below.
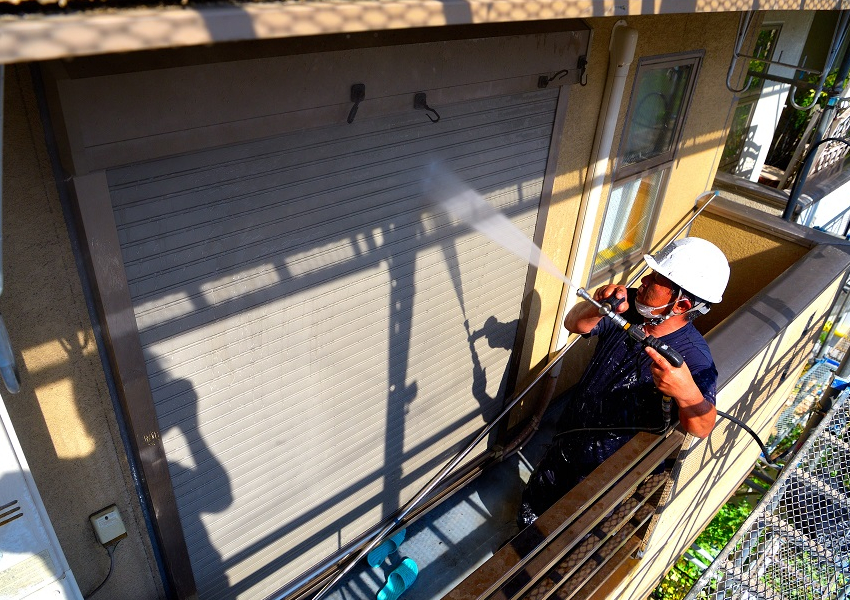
{"type": "Point", "coordinates": [574, 546]}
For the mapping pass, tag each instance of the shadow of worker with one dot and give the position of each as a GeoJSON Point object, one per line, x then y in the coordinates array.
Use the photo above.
{"type": "Point", "coordinates": [201, 483]}
{"type": "Point", "coordinates": [498, 336]}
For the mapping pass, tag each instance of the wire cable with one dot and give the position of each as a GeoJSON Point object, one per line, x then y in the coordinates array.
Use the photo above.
{"type": "Point", "coordinates": [111, 550]}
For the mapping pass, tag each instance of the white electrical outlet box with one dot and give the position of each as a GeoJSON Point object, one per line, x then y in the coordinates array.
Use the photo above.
{"type": "Point", "coordinates": [108, 526]}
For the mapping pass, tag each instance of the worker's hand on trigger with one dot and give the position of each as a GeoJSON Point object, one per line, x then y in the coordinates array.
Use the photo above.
{"type": "Point", "coordinates": [605, 292]}
{"type": "Point", "coordinates": [675, 382]}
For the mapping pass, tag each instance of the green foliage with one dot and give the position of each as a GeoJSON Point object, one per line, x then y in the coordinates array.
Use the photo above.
{"type": "Point", "coordinates": [681, 578]}
{"type": "Point", "coordinates": [827, 327]}
{"type": "Point", "coordinates": [789, 440]}
{"type": "Point", "coordinates": [723, 526]}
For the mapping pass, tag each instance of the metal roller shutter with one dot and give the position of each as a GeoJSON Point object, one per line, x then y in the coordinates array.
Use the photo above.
{"type": "Point", "coordinates": [303, 320]}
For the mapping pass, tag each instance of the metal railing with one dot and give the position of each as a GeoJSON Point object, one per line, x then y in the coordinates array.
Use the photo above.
{"type": "Point", "coordinates": [576, 545]}
{"type": "Point", "coordinates": [801, 400]}
{"type": "Point", "coordinates": [796, 543]}
{"type": "Point", "coordinates": [839, 224]}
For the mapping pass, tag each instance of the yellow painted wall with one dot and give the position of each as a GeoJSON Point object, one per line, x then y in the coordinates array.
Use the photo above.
{"type": "Point", "coordinates": [63, 414]}
{"type": "Point", "coordinates": [715, 467]}
{"type": "Point", "coordinates": [755, 259]}
{"type": "Point", "coordinates": [703, 137]}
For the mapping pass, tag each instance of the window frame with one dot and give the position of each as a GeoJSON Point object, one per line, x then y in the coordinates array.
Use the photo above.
{"type": "Point", "coordinates": [666, 60]}
{"type": "Point", "coordinates": [750, 96]}
{"type": "Point", "coordinates": [660, 163]}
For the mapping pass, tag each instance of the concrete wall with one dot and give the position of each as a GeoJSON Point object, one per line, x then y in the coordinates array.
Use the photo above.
{"type": "Point", "coordinates": [63, 415]}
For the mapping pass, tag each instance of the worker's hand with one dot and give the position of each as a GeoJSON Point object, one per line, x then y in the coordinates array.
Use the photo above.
{"type": "Point", "coordinates": [604, 292]}
{"type": "Point", "coordinates": [696, 414]}
{"type": "Point", "coordinates": [675, 382]}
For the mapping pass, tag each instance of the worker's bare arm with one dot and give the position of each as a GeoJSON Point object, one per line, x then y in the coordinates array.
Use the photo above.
{"type": "Point", "coordinates": [583, 317]}
{"type": "Point", "coordinates": [696, 414]}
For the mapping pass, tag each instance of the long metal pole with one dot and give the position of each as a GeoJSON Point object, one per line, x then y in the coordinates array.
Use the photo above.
{"type": "Point", "coordinates": [447, 469]}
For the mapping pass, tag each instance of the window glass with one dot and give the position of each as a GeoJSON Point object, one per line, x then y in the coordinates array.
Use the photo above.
{"type": "Point", "coordinates": [765, 44]}
{"type": "Point", "coordinates": [657, 106]}
{"type": "Point", "coordinates": [627, 219]}
{"type": "Point", "coordinates": [658, 103]}
{"type": "Point", "coordinates": [737, 137]}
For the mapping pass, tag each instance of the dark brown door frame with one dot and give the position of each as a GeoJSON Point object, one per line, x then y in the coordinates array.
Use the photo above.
{"type": "Point", "coordinates": [103, 255]}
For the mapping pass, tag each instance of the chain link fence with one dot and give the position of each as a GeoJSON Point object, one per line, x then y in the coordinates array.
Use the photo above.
{"type": "Point", "coordinates": [799, 403]}
{"type": "Point", "coordinates": [808, 389]}
{"type": "Point", "coordinates": [796, 543]}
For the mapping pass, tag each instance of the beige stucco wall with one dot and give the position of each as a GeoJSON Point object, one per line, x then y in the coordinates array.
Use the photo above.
{"type": "Point", "coordinates": [63, 414]}
{"type": "Point", "coordinates": [755, 259]}
{"type": "Point", "coordinates": [714, 468]}
{"type": "Point", "coordinates": [693, 171]}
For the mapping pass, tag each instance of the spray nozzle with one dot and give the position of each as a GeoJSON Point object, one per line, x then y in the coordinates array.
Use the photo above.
{"type": "Point", "coordinates": [611, 303]}
{"type": "Point", "coordinates": [607, 308]}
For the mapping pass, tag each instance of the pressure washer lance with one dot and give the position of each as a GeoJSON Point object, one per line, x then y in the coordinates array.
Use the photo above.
{"type": "Point", "coordinates": [607, 308]}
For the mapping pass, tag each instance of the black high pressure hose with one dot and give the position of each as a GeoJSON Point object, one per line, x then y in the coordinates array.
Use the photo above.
{"type": "Point", "coordinates": [663, 429]}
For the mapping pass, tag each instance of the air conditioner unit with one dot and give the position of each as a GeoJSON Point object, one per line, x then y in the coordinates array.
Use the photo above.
{"type": "Point", "coordinates": [32, 565]}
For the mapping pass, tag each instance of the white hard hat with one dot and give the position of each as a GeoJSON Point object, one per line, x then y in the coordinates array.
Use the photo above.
{"type": "Point", "coordinates": [694, 264]}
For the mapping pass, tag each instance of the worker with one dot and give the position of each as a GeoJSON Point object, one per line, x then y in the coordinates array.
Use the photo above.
{"type": "Point", "coordinates": [621, 390]}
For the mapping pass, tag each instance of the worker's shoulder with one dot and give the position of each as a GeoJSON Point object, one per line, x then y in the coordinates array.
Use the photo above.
{"type": "Point", "coordinates": [692, 346]}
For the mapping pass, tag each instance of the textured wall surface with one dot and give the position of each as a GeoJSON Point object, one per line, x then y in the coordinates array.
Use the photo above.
{"type": "Point", "coordinates": [63, 414]}
{"type": "Point", "coordinates": [693, 170]}
{"type": "Point", "coordinates": [755, 259]}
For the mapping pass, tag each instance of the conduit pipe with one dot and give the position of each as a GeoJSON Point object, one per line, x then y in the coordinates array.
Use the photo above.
{"type": "Point", "coordinates": [8, 369]}
{"type": "Point", "coordinates": [621, 53]}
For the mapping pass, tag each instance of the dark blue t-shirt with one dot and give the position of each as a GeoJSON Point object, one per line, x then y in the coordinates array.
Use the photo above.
{"type": "Point", "coordinates": [616, 389]}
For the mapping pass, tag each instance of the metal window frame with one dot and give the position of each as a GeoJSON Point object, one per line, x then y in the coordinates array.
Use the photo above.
{"type": "Point", "coordinates": [694, 58]}
{"type": "Point", "coordinates": [662, 162]}
{"type": "Point", "coordinates": [629, 260]}
{"type": "Point", "coordinates": [751, 96]}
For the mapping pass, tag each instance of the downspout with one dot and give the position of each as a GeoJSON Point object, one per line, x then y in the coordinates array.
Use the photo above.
{"type": "Point", "coordinates": [8, 369]}
{"type": "Point", "coordinates": [622, 52]}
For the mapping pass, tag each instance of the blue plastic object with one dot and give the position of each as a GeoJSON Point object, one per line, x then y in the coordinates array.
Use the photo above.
{"type": "Point", "coordinates": [399, 580]}
{"type": "Point", "coordinates": [385, 548]}
{"type": "Point", "coordinates": [8, 368]}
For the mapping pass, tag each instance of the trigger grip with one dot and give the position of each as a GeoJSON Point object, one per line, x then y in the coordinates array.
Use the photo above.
{"type": "Point", "coordinates": [613, 301]}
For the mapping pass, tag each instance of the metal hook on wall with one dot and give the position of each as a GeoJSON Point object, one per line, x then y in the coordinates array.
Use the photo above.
{"type": "Point", "coordinates": [544, 81]}
{"type": "Point", "coordinates": [420, 103]}
{"type": "Point", "coordinates": [358, 94]}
